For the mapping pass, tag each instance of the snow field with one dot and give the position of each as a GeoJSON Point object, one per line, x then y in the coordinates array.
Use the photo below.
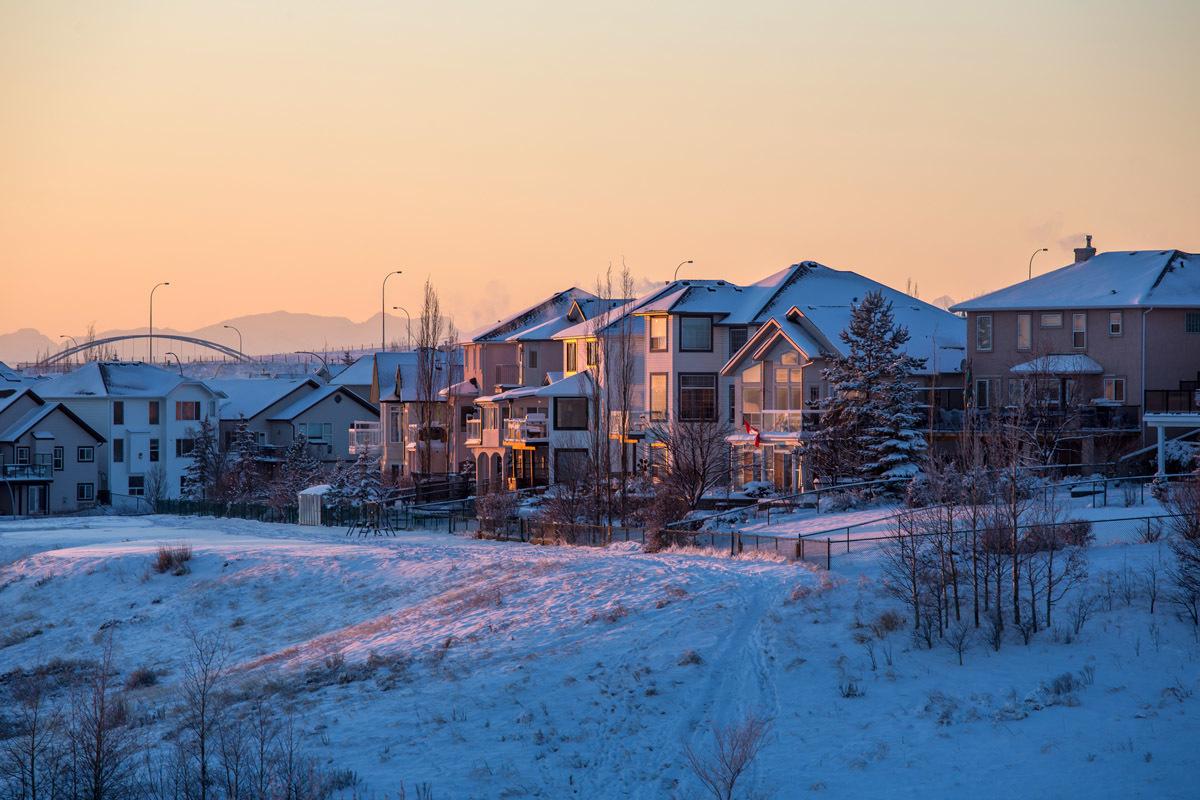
{"type": "Point", "coordinates": [505, 670]}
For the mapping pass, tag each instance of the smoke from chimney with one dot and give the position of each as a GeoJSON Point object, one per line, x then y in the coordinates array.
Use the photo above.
{"type": "Point", "coordinates": [1084, 253]}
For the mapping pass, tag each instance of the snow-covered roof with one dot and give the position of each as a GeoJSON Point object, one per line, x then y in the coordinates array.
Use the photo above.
{"type": "Point", "coordinates": [248, 397]}
{"type": "Point", "coordinates": [116, 379]}
{"type": "Point", "coordinates": [1060, 364]}
{"type": "Point", "coordinates": [461, 389]}
{"type": "Point", "coordinates": [323, 488]}
{"type": "Point", "coordinates": [9, 396]}
{"type": "Point", "coordinates": [10, 377]}
{"type": "Point", "coordinates": [359, 373]}
{"type": "Point", "coordinates": [35, 417]}
{"type": "Point", "coordinates": [316, 396]}
{"type": "Point", "coordinates": [578, 385]}
{"type": "Point", "coordinates": [399, 375]}
{"type": "Point", "coordinates": [543, 320]}
{"type": "Point", "coordinates": [1162, 278]}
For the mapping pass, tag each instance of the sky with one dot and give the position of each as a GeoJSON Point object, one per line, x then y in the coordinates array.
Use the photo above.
{"type": "Point", "coordinates": [288, 154]}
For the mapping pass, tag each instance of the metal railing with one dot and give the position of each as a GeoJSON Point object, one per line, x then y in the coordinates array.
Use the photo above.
{"type": "Point", "coordinates": [365, 437]}
{"type": "Point", "coordinates": [1167, 401]}
{"type": "Point", "coordinates": [23, 472]}
{"type": "Point", "coordinates": [474, 429]}
{"type": "Point", "coordinates": [523, 429]}
{"type": "Point", "coordinates": [508, 374]}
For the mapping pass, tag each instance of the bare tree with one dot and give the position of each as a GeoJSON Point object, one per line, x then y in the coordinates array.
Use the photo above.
{"type": "Point", "coordinates": [961, 638]}
{"type": "Point", "coordinates": [102, 747]}
{"type": "Point", "coordinates": [697, 455]}
{"type": "Point", "coordinates": [203, 672]}
{"type": "Point", "coordinates": [29, 756]}
{"type": "Point", "coordinates": [431, 332]}
{"type": "Point", "coordinates": [731, 754]}
{"type": "Point", "coordinates": [1184, 572]}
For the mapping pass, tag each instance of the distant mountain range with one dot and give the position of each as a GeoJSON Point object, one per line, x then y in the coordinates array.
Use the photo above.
{"type": "Point", "coordinates": [276, 332]}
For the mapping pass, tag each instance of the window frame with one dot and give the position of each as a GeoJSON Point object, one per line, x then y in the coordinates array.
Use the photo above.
{"type": "Point", "coordinates": [664, 341]}
{"type": "Point", "coordinates": [1191, 322]}
{"type": "Point", "coordinates": [558, 424]}
{"type": "Point", "coordinates": [155, 450]}
{"type": "Point", "coordinates": [1111, 384]}
{"type": "Point", "coordinates": [1049, 315]}
{"type": "Point", "coordinates": [85, 454]}
{"type": "Point", "coordinates": [591, 352]}
{"type": "Point", "coordinates": [58, 458]}
{"type": "Point", "coordinates": [572, 356]}
{"type": "Point", "coordinates": [979, 320]}
{"type": "Point", "coordinates": [735, 331]}
{"type": "Point", "coordinates": [683, 406]}
{"type": "Point", "coordinates": [191, 405]}
{"type": "Point", "coordinates": [181, 451]}
{"type": "Point", "coordinates": [1024, 337]}
{"type": "Point", "coordinates": [531, 358]}
{"type": "Point", "coordinates": [658, 415]}
{"type": "Point", "coordinates": [154, 413]}
{"type": "Point", "coordinates": [683, 325]}
{"type": "Point", "coordinates": [85, 492]}
{"type": "Point", "coordinates": [118, 412]}
{"type": "Point", "coordinates": [1079, 332]}
{"type": "Point", "coordinates": [22, 456]}
{"type": "Point", "coordinates": [1116, 323]}
{"type": "Point", "coordinates": [136, 491]}
{"type": "Point", "coordinates": [118, 450]}
{"type": "Point", "coordinates": [986, 394]}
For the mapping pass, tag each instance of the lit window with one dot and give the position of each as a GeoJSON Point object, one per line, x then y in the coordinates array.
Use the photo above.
{"type": "Point", "coordinates": [658, 396]}
{"type": "Point", "coordinates": [658, 334]}
{"type": "Point", "coordinates": [1114, 389]}
{"type": "Point", "coordinates": [572, 357]}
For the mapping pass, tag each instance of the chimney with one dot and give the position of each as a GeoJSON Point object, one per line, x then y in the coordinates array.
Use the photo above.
{"type": "Point", "coordinates": [1084, 253]}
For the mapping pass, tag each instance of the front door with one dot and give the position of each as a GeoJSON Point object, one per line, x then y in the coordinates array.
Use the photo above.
{"type": "Point", "coordinates": [37, 500]}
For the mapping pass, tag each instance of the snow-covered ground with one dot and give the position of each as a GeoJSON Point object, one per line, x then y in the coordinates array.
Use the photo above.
{"type": "Point", "coordinates": [508, 670]}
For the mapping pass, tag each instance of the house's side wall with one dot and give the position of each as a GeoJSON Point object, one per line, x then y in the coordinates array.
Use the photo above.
{"type": "Point", "coordinates": [62, 496]}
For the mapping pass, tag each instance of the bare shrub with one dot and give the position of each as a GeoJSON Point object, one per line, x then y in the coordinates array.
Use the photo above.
{"type": "Point", "coordinates": [141, 678]}
{"type": "Point", "coordinates": [1149, 532]}
{"type": "Point", "coordinates": [173, 559]}
{"type": "Point", "coordinates": [1081, 611]}
{"type": "Point", "coordinates": [732, 752]}
{"type": "Point", "coordinates": [495, 508]}
{"type": "Point", "coordinates": [1184, 571]}
{"type": "Point", "coordinates": [961, 638]}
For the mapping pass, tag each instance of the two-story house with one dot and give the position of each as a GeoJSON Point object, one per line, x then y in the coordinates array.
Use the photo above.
{"type": "Point", "coordinates": [1100, 342]}
{"type": "Point", "coordinates": [49, 458]}
{"type": "Point", "coordinates": [149, 417]}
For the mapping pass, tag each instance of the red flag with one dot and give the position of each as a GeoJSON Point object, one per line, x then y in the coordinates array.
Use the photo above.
{"type": "Point", "coordinates": [751, 429]}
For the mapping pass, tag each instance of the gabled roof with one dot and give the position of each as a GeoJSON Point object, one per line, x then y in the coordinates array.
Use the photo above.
{"type": "Point", "coordinates": [116, 379]}
{"type": "Point", "coordinates": [35, 417]}
{"type": "Point", "coordinates": [316, 396]}
{"type": "Point", "coordinates": [1162, 278]}
{"type": "Point", "coordinates": [10, 396]}
{"type": "Point", "coordinates": [359, 373]}
{"type": "Point", "coordinates": [578, 385]}
{"type": "Point", "coordinates": [249, 397]}
{"type": "Point", "coordinates": [542, 320]}
{"type": "Point", "coordinates": [398, 376]}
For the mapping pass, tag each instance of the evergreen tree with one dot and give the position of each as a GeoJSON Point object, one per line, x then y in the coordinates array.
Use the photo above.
{"type": "Point", "coordinates": [204, 476]}
{"type": "Point", "coordinates": [360, 482]}
{"type": "Point", "coordinates": [244, 479]}
{"type": "Point", "coordinates": [870, 426]}
{"type": "Point", "coordinates": [298, 470]}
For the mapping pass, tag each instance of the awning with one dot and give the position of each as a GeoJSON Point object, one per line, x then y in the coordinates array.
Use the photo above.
{"type": "Point", "coordinates": [1062, 364]}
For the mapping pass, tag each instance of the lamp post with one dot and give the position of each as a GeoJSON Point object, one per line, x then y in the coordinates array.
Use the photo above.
{"type": "Point", "coordinates": [402, 308]}
{"type": "Point", "coordinates": [383, 309]}
{"type": "Point", "coordinates": [164, 283]}
{"type": "Point", "coordinates": [72, 338]}
{"type": "Point", "coordinates": [239, 333]}
{"type": "Point", "coordinates": [178, 363]}
{"type": "Point", "coordinates": [676, 275]}
{"type": "Point", "coordinates": [1035, 252]}
{"type": "Point", "coordinates": [311, 353]}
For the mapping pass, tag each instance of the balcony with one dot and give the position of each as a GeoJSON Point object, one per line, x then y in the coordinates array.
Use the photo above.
{"type": "Point", "coordinates": [508, 375]}
{"type": "Point", "coordinates": [366, 439]}
{"type": "Point", "coordinates": [1172, 401]}
{"type": "Point", "coordinates": [532, 428]}
{"type": "Point", "coordinates": [25, 472]}
{"type": "Point", "coordinates": [474, 430]}
{"type": "Point", "coordinates": [635, 425]}
{"type": "Point", "coordinates": [784, 421]}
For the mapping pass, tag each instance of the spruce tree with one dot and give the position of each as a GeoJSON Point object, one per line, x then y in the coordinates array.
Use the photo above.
{"type": "Point", "coordinates": [869, 430]}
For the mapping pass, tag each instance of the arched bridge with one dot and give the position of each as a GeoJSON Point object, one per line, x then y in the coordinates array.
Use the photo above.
{"type": "Point", "coordinates": [83, 348]}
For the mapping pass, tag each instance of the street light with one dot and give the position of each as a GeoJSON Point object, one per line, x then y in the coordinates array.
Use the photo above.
{"type": "Point", "coordinates": [383, 307]}
{"type": "Point", "coordinates": [402, 308]}
{"type": "Point", "coordinates": [239, 333]}
{"type": "Point", "coordinates": [1035, 252]}
{"type": "Point", "coordinates": [178, 363]}
{"type": "Point", "coordinates": [164, 283]}
{"type": "Point", "coordinates": [676, 275]}
{"type": "Point", "coordinates": [74, 343]}
{"type": "Point", "coordinates": [311, 353]}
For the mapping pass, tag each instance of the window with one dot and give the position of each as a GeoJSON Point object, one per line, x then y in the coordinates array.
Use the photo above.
{"type": "Point", "coordinates": [85, 492]}
{"type": "Point", "coordinates": [1018, 391]}
{"type": "Point", "coordinates": [737, 339]}
{"type": "Point", "coordinates": [1115, 323]}
{"type": "Point", "coordinates": [118, 412]}
{"type": "Point", "coordinates": [814, 395]}
{"type": "Point", "coordinates": [137, 485]}
{"type": "Point", "coordinates": [752, 390]}
{"type": "Point", "coordinates": [1114, 389]}
{"type": "Point", "coordinates": [658, 334]}
{"type": "Point", "coordinates": [22, 455]}
{"type": "Point", "coordinates": [1052, 320]}
{"type": "Point", "coordinates": [317, 432]}
{"type": "Point", "coordinates": [394, 424]}
{"type": "Point", "coordinates": [593, 350]}
{"type": "Point", "coordinates": [1192, 323]}
{"type": "Point", "coordinates": [695, 334]}
{"type": "Point", "coordinates": [572, 364]}
{"type": "Point", "coordinates": [118, 450]}
{"type": "Point", "coordinates": [570, 413]}
{"type": "Point", "coordinates": [658, 396]}
{"type": "Point", "coordinates": [184, 447]}
{"type": "Point", "coordinates": [1024, 331]}
{"type": "Point", "coordinates": [187, 409]}
{"type": "Point", "coordinates": [59, 458]}
{"type": "Point", "coordinates": [983, 332]}
{"type": "Point", "coordinates": [569, 464]}
{"type": "Point", "coordinates": [153, 412]}
{"type": "Point", "coordinates": [531, 357]}
{"type": "Point", "coordinates": [154, 449]}
{"type": "Point", "coordinates": [85, 455]}
{"type": "Point", "coordinates": [732, 402]}
{"type": "Point", "coordinates": [697, 396]}
{"type": "Point", "coordinates": [1079, 331]}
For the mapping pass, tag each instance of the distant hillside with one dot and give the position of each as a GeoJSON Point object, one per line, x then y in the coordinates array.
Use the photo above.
{"type": "Point", "coordinates": [275, 332]}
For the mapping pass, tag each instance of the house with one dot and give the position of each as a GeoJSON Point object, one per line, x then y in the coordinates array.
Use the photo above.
{"type": "Point", "coordinates": [148, 416]}
{"type": "Point", "coordinates": [49, 458]}
{"type": "Point", "coordinates": [505, 365]}
{"type": "Point", "coordinates": [1101, 343]}
{"type": "Point", "coordinates": [253, 400]}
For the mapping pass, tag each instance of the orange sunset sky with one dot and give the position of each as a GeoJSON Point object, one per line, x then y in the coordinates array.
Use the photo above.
{"type": "Point", "coordinates": [286, 154]}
